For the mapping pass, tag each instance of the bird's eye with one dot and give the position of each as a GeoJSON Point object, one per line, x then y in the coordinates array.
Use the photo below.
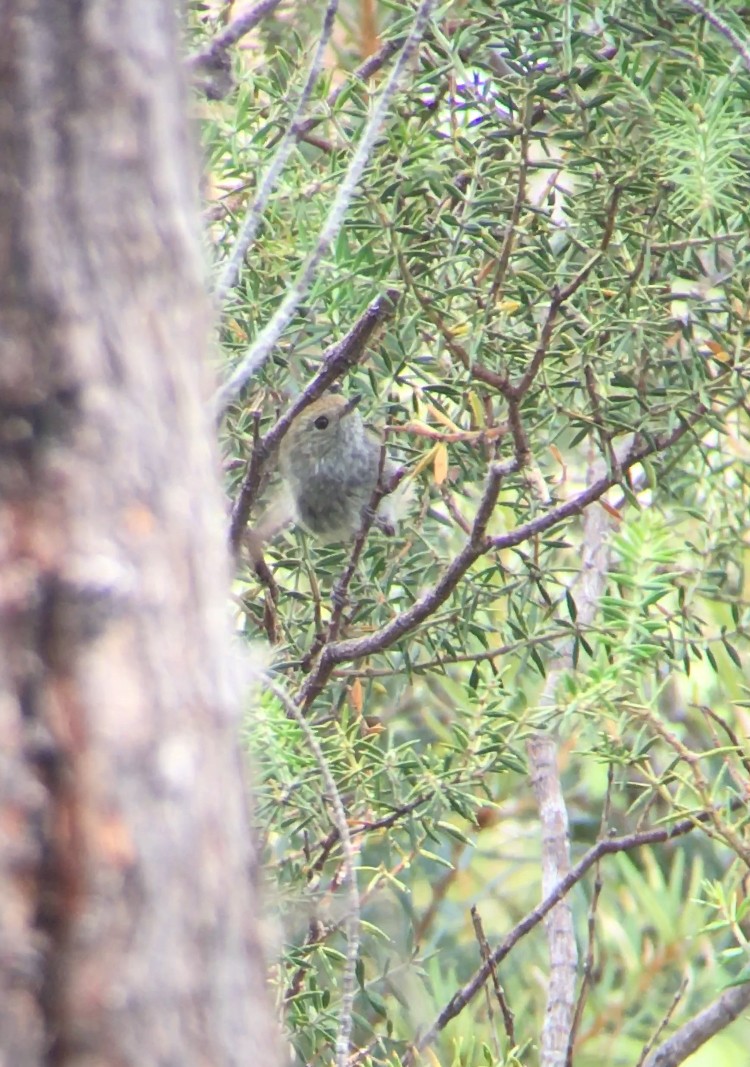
{"type": "Point", "coordinates": [321, 422]}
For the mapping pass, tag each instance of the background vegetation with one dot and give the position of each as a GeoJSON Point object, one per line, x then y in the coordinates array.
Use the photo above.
{"type": "Point", "coordinates": [559, 196]}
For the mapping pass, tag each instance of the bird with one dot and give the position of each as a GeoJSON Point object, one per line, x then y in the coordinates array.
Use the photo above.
{"type": "Point", "coordinates": [331, 463]}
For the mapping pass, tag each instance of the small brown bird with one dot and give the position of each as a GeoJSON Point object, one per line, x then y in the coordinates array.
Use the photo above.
{"type": "Point", "coordinates": [330, 462]}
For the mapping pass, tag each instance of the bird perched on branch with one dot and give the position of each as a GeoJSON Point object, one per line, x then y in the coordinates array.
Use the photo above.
{"type": "Point", "coordinates": [331, 463]}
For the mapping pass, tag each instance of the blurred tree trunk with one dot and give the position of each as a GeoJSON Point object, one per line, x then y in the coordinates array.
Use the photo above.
{"type": "Point", "coordinates": [128, 921]}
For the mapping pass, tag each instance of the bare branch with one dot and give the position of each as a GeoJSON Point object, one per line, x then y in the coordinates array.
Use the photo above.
{"type": "Point", "coordinates": [626, 843]}
{"type": "Point", "coordinates": [351, 921]}
{"type": "Point", "coordinates": [663, 1022]}
{"type": "Point", "coordinates": [213, 63]}
{"type": "Point", "coordinates": [588, 967]}
{"type": "Point", "coordinates": [249, 228]}
{"type": "Point", "coordinates": [484, 948]}
{"type": "Point", "coordinates": [559, 1022]}
{"type": "Point", "coordinates": [721, 27]}
{"type": "Point", "coordinates": [260, 350]}
{"type": "Point", "coordinates": [724, 1010]}
{"type": "Point", "coordinates": [555, 858]}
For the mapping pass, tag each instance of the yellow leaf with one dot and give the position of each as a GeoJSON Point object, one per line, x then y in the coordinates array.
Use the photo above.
{"type": "Point", "coordinates": [718, 351]}
{"type": "Point", "coordinates": [438, 415]}
{"type": "Point", "coordinates": [440, 464]}
{"type": "Point", "coordinates": [460, 329]}
{"type": "Point", "coordinates": [417, 426]}
{"type": "Point", "coordinates": [424, 462]}
{"type": "Point", "coordinates": [559, 458]}
{"type": "Point", "coordinates": [237, 330]}
{"type": "Point", "coordinates": [508, 306]}
{"type": "Point", "coordinates": [356, 696]}
{"type": "Point", "coordinates": [476, 409]}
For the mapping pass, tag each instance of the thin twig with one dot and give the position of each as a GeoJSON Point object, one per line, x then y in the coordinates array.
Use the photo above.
{"type": "Point", "coordinates": [744, 760]}
{"type": "Point", "coordinates": [721, 27]}
{"type": "Point", "coordinates": [384, 823]}
{"type": "Point", "coordinates": [645, 245]}
{"type": "Point", "coordinates": [514, 392]}
{"type": "Point", "coordinates": [561, 296]}
{"type": "Point", "coordinates": [664, 1022]}
{"type": "Point", "coordinates": [438, 892]}
{"type": "Point", "coordinates": [351, 922]}
{"type": "Point", "coordinates": [426, 303]}
{"type": "Point", "coordinates": [362, 73]}
{"type": "Point", "coordinates": [484, 948]}
{"type": "Point", "coordinates": [509, 239]}
{"type": "Point", "coordinates": [316, 934]}
{"type": "Point", "coordinates": [605, 440]}
{"type": "Point", "coordinates": [251, 223]}
{"type": "Point", "coordinates": [453, 510]}
{"type": "Point", "coordinates": [260, 350]}
{"type": "Point", "coordinates": [468, 657]}
{"type": "Point", "coordinates": [626, 843]}
{"type": "Point", "coordinates": [724, 1010]}
{"type": "Point", "coordinates": [213, 55]}
{"type": "Point", "coordinates": [724, 830]}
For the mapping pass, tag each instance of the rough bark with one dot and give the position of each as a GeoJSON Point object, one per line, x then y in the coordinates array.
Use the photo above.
{"type": "Point", "coordinates": [128, 922]}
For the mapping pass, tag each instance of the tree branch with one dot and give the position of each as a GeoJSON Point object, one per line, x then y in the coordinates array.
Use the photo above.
{"type": "Point", "coordinates": [362, 73]}
{"type": "Point", "coordinates": [721, 27]}
{"type": "Point", "coordinates": [545, 779]}
{"type": "Point", "coordinates": [626, 843]}
{"type": "Point", "coordinates": [357, 647]}
{"type": "Point", "coordinates": [351, 921]}
{"type": "Point", "coordinates": [424, 607]}
{"type": "Point", "coordinates": [260, 350]}
{"type": "Point", "coordinates": [724, 1010]}
{"type": "Point", "coordinates": [251, 223]}
{"type": "Point", "coordinates": [337, 359]}
{"type": "Point", "coordinates": [213, 63]}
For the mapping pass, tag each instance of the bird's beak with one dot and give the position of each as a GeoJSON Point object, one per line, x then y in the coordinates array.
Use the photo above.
{"type": "Point", "coordinates": [351, 404]}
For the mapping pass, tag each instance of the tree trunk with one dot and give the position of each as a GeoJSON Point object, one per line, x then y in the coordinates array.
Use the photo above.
{"type": "Point", "coordinates": [128, 920]}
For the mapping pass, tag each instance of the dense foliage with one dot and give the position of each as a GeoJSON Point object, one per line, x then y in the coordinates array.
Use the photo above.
{"type": "Point", "coordinates": [560, 195]}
